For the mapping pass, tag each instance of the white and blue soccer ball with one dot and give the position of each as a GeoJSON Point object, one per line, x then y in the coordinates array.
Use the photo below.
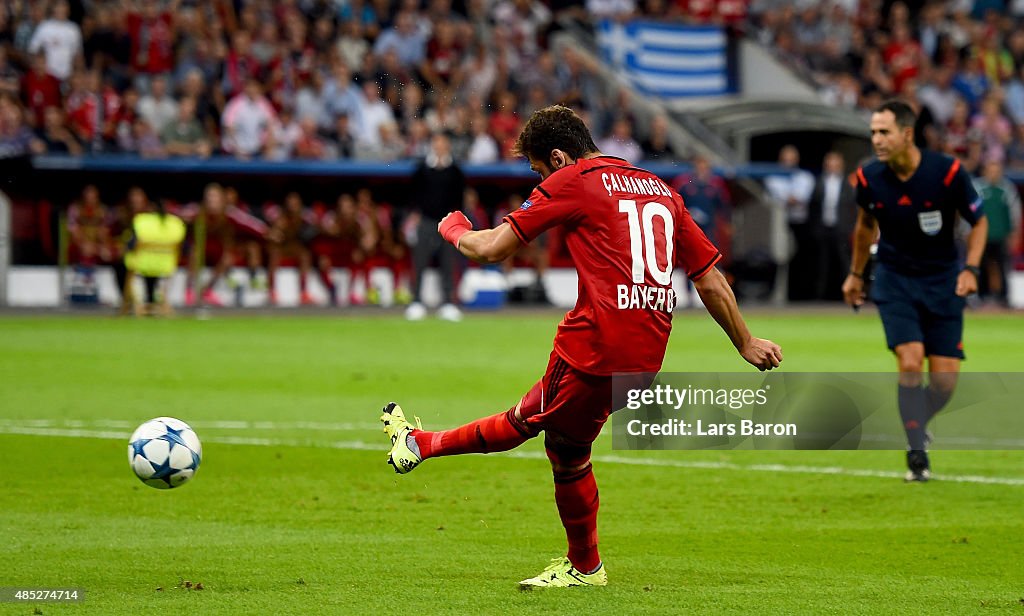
{"type": "Point", "coordinates": [164, 452]}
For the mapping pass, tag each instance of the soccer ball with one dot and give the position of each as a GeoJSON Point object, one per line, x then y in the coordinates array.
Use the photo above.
{"type": "Point", "coordinates": [164, 452]}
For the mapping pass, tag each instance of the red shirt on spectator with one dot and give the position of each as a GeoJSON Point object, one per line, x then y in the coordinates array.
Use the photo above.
{"type": "Point", "coordinates": [82, 108]}
{"type": "Point", "coordinates": [237, 69]}
{"type": "Point", "coordinates": [41, 91]}
{"type": "Point", "coordinates": [728, 12]}
{"type": "Point", "coordinates": [504, 126]}
{"type": "Point", "coordinates": [443, 59]}
{"type": "Point", "coordinates": [152, 42]}
{"type": "Point", "coordinates": [903, 59]}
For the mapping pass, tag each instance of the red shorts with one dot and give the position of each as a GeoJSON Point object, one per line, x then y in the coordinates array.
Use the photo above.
{"type": "Point", "coordinates": [567, 404]}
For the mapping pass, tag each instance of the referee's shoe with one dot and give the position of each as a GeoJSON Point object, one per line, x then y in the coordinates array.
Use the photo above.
{"type": "Point", "coordinates": [918, 467]}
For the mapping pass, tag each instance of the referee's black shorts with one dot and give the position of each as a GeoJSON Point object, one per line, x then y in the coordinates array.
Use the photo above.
{"type": "Point", "coordinates": [920, 309]}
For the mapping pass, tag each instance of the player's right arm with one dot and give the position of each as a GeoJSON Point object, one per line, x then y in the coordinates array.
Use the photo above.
{"type": "Point", "coordinates": [485, 245]}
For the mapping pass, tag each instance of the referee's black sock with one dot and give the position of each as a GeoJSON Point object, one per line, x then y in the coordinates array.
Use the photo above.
{"type": "Point", "coordinates": [914, 413]}
{"type": "Point", "coordinates": [937, 399]}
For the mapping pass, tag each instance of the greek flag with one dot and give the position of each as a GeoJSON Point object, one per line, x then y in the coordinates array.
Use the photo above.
{"type": "Point", "coordinates": [667, 60]}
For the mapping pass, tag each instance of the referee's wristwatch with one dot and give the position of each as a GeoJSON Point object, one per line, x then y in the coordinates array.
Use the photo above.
{"type": "Point", "coordinates": [974, 269]}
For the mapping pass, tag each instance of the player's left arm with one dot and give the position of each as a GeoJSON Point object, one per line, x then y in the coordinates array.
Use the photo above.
{"type": "Point", "coordinates": [720, 302]}
{"type": "Point", "coordinates": [698, 257]}
{"type": "Point", "coordinates": [967, 281]}
{"type": "Point", "coordinates": [969, 207]}
{"type": "Point", "coordinates": [484, 245]}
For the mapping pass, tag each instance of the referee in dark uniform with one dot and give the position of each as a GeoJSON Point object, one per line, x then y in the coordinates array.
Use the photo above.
{"type": "Point", "coordinates": [912, 198]}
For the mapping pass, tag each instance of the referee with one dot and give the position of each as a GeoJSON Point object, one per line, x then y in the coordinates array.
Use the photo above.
{"type": "Point", "coordinates": [912, 198]}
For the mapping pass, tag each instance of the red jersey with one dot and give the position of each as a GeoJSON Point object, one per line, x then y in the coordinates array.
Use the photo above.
{"type": "Point", "coordinates": [626, 230]}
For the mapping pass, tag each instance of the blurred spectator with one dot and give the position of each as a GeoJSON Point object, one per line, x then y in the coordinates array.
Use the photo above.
{"type": "Point", "coordinates": [342, 141]}
{"type": "Point", "coordinates": [340, 95]}
{"type": "Point", "coordinates": [971, 83]}
{"type": "Point", "coordinates": [352, 45]}
{"type": "Point", "coordinates": [183, 136]}
{"type": "Point", "coordinates": [35, 15]}
{"type": "Point", "coordinates": [903, 56]}
{"type": "Point", "coordinates": [59, 39]}
{"type": "Point", "coordinates": [156, 238]}
{"type": "Point", "coordinates": [373, 113]}
{"type": "Point", "coordinates": [656, 146]}
{"type": "Point", "coordinates": [144, 141]}
{"type": "Point", "coordinates": [390, 145]}
{"type": "Point", "coordinates": [88, 221]}
{"type": "Point", "coordinates": [1015, 153]}
{"type": "Point", "coordinates": [483, 149]}
{"type": "Point", "coordinates": [309, 145]}
{"type": "Point", "coordinates": [523, 22]}
{"type": "Point", "coordinates": [40, 90]}
{"type": "Point", "coordinates": [247, 120]}
{"type": "Point", "coordinates": [993, 128]}
{"type": "Point", "coordinates": [1003, 211]}
{"type": "Point", "coordinates": [340, 245]}
{"type": "Point", "coordinates": [151, 32]}
{"type": "Point", "coordinates": [610, 9]}
{"type": "Point", "coordinates": [418, 145]}
{"type": "Point", "coordinates": [405, 38]}
{"type": "Point", "coordinates": [10, 77]}
{"type": "Point", "coordinates": [119, 125]}
{"type": "Point", "coordinates": [793, 192]}
{"type": "Point", "coordinates": [441, 67]}
{"type": "Point", "coordinates": [480, 71]}
{"type": "Point", "coordinates": [231, 235]}
{"type": "Point", "coordinates": [994, 61]}
{"type": "Point", "coordinates": [206, 111]}
{"type": "Point", "coordinates": [383, 248]}
{"type": "Point", "coordinates": [292, 229]}
{"type": "Point", "coordinates": [285, 134]}
{"type": "Point", "coordinates": [441, 116]}
{"type": "Point", "coordinates": [503, 124]}
{"type": "Point", "coordinates": [16, 139]}
{"type": "Point", "coordinates": [54, 137]}
{"type": "Point", "coordinates": [832, 213]}
{"type": "Point", "coordinates": [620, 141]}
{"type": "Point", "coordinates": [311, 101]}
{"type": "Point", "coordinates": [707, 199]}
{"type": "Point", "coordinates": [938, 95]}
{"type": "Point", "coordinates": [958, 134]}
{"type": "Point", "coordinates": [1015, 97]}
{"type": "Point", "coordinates": [437, 188]}
{"type": "Point", "coordinates": [157, 107]}
{"type": "Point", "coordinates": [240, 65]}
{"type": "Point", "coordinates": [83, 109]}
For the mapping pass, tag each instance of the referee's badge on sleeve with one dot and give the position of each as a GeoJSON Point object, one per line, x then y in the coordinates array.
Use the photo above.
{"type": "Point", "coordinates": [931, 222]}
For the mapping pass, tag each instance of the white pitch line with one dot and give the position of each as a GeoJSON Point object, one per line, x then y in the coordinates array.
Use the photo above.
{"type": "Point", "coordinates": [528, 455]}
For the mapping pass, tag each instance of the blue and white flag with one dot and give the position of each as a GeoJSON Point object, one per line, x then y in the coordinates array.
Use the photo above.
{"type": "Point", "coordinates": [667, 60]}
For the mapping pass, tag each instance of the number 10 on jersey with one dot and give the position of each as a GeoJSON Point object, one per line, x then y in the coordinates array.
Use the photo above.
{"type": "Point", "coordinates": [645, 243]}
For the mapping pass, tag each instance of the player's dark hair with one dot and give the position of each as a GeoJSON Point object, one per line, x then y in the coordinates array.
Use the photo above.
{"type": "Point", "coordinates": [554, 127]}
{"type": "Point", "coordinates": [904, 113]}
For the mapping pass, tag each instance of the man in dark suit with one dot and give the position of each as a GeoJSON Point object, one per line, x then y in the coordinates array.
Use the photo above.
{"type": "Point", "coordinates": [832, 212]}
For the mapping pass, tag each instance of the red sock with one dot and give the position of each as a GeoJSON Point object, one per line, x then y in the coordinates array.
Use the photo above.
{"type": "Point", "coordinates": [486, 435]}
{"type": "Point", "coordinates": [577, 500]}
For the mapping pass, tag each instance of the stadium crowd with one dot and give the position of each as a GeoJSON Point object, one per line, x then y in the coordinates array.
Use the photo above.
{"type": "Point", "coordinates": [298, 79]}
{"type": "Point", "coordinates": [378, 79]}
{"type": "Point", "coordinates": [960, 63]}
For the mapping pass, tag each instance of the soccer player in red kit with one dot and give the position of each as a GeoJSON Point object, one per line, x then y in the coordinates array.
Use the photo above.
{"type": "Point", "coordinates": [626, 230]}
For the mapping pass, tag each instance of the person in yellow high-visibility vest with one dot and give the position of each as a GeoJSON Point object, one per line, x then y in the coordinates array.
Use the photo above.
{"type": "Point", "coordinates": [155, 242]}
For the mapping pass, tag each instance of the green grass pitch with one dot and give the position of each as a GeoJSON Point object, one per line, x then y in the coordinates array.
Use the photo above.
{"type": "Point", "coordinates": [294, 510]}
